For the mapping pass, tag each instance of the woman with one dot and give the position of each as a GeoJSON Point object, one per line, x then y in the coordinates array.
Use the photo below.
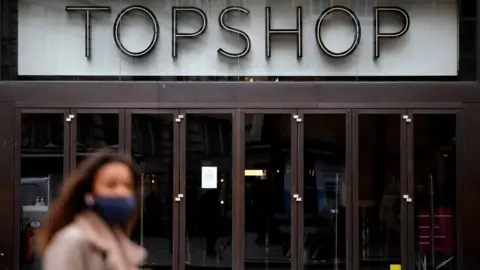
{"type": "Point", "coordinates": [88, 225]}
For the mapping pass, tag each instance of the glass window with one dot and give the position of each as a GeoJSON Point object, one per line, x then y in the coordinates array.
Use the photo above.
{"type": "Point", "coordinates": [379, 191]}
{"type": "Point", "coordinates": [324, 192]}
{"type": "Point", "coordinates": [42, 167]}
{"type": "Point", "coordinates": [434, 185]}
{"type": "Point", "coordinates": [152, 150]}
{"type": "Point", "coordinates": [96, 131]}
{"type": "Point", "coordinates": [267, 191]}
{"type": "Point", "coordinates": [208, 191]}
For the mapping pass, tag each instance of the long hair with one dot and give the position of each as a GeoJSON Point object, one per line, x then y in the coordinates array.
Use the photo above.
{"type": "Point", "coordinates": [71, 200]}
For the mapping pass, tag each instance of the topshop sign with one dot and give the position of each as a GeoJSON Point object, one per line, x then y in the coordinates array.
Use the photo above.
{"type": "Point", "coordinates": [158, 39]}
{"type": "Point", "coordinates": [296, 32]}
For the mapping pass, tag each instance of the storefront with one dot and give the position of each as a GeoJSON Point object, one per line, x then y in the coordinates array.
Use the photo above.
{"type": "Point", "coordinates": [269, 134]}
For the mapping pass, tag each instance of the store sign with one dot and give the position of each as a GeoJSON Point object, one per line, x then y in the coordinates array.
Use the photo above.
{"type": "Point", "coordinates": [155, 38]}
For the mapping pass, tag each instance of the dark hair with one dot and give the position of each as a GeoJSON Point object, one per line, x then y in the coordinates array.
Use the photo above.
{"type": "Point", "coordinates": [71, 200]}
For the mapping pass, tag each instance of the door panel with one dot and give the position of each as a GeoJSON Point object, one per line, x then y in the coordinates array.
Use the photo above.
{"type": "Point", "coordinates": [94, 129]}
{"type": "Point", "coordinates": [433, 184]}
{"type": "Point", "coordinates": [42, 139]}
{"type": "Point", "coordinates": [324, 187]}
{"type": "Point", "coordinates": [206, 189]}
{"type": "Point", "coordinates": [150, 140]}
{"type": "Point", "coordinates": [270, 223]}
{"type": "Point", "coordinates": [380, 181]}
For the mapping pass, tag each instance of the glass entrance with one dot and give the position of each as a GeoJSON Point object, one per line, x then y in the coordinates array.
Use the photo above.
{"type": "Point", "coordinates": [263, 189]}
{"type": "Point", "coordinates": [324, 187]}
{"type": "Point", "coordinates": [433, 184]}
{"type": "Point", "coordinates": [41, 163]}
{"type": "Point", "coordinates": [205, 189]}
{"type": "Point", "coordinates": [380, 213]}
{"type": "Point", "coordinates": [150, 136]}
{"type": "Point", "coordinates": [270, 190]}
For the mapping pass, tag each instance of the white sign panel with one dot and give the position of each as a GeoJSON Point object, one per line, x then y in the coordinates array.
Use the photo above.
{"type": "Point", "coordinates": [238, 38]}
{"type": "Point", "coordinates": [209, 177]}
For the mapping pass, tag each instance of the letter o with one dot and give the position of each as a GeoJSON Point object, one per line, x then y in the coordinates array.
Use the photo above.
{"type": "Point", "coordinates": [116, 30]}
{"type": "Point", "coordinates": [358, 31]}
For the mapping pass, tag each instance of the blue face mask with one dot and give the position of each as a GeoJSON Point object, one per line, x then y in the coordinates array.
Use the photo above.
{"type": "Point", "coordinates": [115, 210]}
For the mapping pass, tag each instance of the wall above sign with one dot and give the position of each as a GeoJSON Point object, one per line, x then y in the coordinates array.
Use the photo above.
{"type": "Point", "coordinates": [162, 38]}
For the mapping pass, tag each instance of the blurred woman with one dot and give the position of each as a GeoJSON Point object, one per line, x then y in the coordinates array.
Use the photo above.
{"type": "Point", "coordinates": [89, 224]}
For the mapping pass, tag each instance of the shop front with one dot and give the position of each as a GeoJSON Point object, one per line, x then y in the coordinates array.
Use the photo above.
{"type": "Point", "coordinates": [269, 135]}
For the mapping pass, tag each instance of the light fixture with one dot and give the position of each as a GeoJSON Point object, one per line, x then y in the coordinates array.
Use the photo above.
{"type": "Point", "coordinates": [255, 172]}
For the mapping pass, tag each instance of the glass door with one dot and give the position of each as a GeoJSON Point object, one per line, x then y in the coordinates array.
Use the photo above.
{"type": "Point", "coordinates": [152, 139]}
{"type": "Point", "coordinates": [94, 129]}
{"type": "Point", "coordinates": [324, 187]}
{"type": "Point", "coordinates": [41, 153]}
{"type": "Point", "coordinates": [206, 189]}
{"type": "Point", "coordinates": [434, 140]}
{"type": "Point", "coordinates": [380, 195]}
{"type": "Point", "coordinates": [270, 194]}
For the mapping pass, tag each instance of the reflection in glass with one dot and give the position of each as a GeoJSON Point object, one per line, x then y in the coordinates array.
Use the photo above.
{"type": "Point", "coordinates": [379, 191]}
{"type": "Point", "coordinates": [324, 191]}
{"type": "Point", "coordinates": [41, 173]}
{"type": "Point", "coordinates": [96, 131]}
{"type": "Point", "coordinates": [267, 190]}
{"type": "Point", "coordinates": [152, 150]}
{"type": "Point", "coordinates": [208, 190]}
{"type": "Point", "coordinates": [434, 191]}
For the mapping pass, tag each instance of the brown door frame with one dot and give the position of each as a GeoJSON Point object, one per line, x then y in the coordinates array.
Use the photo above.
{"type": "Point", "coordinates": [176, 142]}
{"type": "Point", "coordinates": [17, 170]}
{"type": "Point", "coordinates": [74, 127]}
{"type": "Point", "coordinates": [347, 176]}
{"type": "Point", "coordinates": [403, 180]}
{"type": "Point", "coordinates": [182, 121]}
{"type": "Point", "coordinates": [458, 183]}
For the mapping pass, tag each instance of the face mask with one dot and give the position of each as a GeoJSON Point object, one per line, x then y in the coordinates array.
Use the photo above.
{"type": "Point", "coordinates": [115, 210]}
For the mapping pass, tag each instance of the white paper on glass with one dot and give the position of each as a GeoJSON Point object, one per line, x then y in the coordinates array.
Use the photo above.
{"type": "Point", "coordinates": [209, 177]}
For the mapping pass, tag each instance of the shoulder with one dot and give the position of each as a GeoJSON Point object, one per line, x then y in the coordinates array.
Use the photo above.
{"type": "Point", "coordinates": [68, 249]}
{"type": "Point", "coordinates": [68, 239]}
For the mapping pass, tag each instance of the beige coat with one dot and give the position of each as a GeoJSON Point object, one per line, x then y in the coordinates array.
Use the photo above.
{"type": "Point", "coordinates": [90, 244]}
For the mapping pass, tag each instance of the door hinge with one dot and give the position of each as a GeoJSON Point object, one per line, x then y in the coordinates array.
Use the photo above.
{"type": "Point", "coordinates": [179, 118]}
{"type": "Point", "coordinates": [178, 197]}
{"type": "Point", "coordinates": [297, 118]}
{"type": "Point", "coordinates": [70, 118]}
{"type": "Point", "coordinates": [407, 118]}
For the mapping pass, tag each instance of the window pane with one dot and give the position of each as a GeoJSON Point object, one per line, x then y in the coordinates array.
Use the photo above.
{"type": "Point", "coordinates": [435, 191]}
{"type": "Point", "coordinates": [41, 174]}
{"type": "Point", "coordinates": [152, 150]}
{"type": "Point", "coordinates": [267, 191]}
{"type": "Point", "coordinates": [379, 206]}
{"type": "Point", "coordinates": [96, 131]}
{"type": "Point", "coordinates": [208, 191]}
{"type": "Point", "coordinates": [324, 192]}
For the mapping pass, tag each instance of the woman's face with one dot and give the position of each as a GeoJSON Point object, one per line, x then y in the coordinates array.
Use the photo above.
{"type": "Point", "coordinates": [113, 180]}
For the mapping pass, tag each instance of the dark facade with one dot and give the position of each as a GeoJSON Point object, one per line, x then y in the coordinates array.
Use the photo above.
{"type": "Point", "coordinates": [406, 101]}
